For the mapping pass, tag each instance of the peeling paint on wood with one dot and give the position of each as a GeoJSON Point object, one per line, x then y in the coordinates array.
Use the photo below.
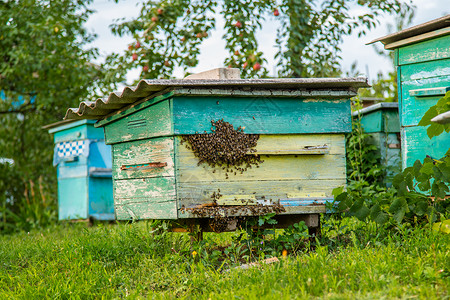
{"type": "Point", "coordinates": [262, 116]}
{"type": "Point", "coordinates": [154, 121]}
{"type": "Point", "coordinates": [144, 152]}
{"type": "Point", "coordinates": [145, 198]}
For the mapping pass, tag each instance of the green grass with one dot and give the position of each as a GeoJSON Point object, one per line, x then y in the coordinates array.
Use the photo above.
{"type": "Point", "coordinates": [115, 261]}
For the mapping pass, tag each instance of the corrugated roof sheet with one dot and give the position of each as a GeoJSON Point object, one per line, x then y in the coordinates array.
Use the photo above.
{"type": "Point", "coordinates": [414, 31]}
{"type": "Point", "coordinates": [147, 88]}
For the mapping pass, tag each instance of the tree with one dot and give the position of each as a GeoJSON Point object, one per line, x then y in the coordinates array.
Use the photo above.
{"type": "Point", "coordinates": [386, 86]}
{"type": "Point", "coordinates": [44, 68]}
{"type": "Point", "coordinates": [168, 34]}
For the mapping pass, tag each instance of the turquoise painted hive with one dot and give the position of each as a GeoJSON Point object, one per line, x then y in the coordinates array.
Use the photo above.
{"type": "Point", "coordinates": [381, 122]}
{"type": "Point", "coordinates": [300, 122]}
{"type": "Point", "coordinates": [83, 162]}
{"type": "Point", "coordinates": [422, 57]}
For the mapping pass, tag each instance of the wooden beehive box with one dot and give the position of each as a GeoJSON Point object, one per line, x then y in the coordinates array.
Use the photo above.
{"type": "Point", "coordinates": [300, 122]}
{"type": "Point", "coordinates": [422, 57]}
{"type": "Point", "coordinates": [381, 122]}
{"type": "Point", "coordinates": [83, 162]}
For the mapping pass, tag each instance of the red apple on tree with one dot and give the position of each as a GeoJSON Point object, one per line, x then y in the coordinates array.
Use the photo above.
{"type": "Point", "coordinates": [245, 65]}
{"type": "Point", "coordinates": [159, 11]}
{"type": "Point", "coordinates": [238, 24]}
{"type": "Point", "coordinates": [236, 52]}
{"type": "Point", "coordinates": [256, 67]}
{"type": "Point", "coordinates": [276, 13]}
{"type": "Point", "coordinates": [199, 35]}
{"type": "Point", "coordinates": [134, 56]}
{"type": "Point", "coordinates": [167, 63]}
{"type": "Point", "coordinates": [145, 68]}
{"type": "Point", "coordinates": [154, 19]}
{"type": "Point", "coordinates": [130, 47]}
{"type": "Point", "coordinates": [138, 45]}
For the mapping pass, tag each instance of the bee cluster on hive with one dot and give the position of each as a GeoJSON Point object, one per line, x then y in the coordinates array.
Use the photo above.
{"type": "Point", "coordinates": [233, 151]}
{"type": "Point", "coordinates": [224, 147]}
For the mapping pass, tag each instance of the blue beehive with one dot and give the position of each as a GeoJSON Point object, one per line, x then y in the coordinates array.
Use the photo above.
{"type": "Point", "coordinates": [381, 122]}
{"type": "Point", "coordinates": [84, 164]}
{"type": "Point", "coordinates": [422, 58]}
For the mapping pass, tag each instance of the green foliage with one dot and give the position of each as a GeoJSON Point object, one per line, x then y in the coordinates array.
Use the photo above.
{"type": "Point", "coordinates": [364, 170]}
{"type": "Point", "coordinates": [417, 194]}
{"type": "Point", "coordinates": [383, 87]}
{"type": "Point", "coordinates": [45, 68]}
{"type": "Point", "coordinates": [435, 129]}
{"type": "Point", "coordinates": [168, 34]}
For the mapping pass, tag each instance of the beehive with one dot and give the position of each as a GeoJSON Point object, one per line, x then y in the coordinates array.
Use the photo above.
{"type": "Point", "coordinates": [300, 125]}
{"type": "Point", "coordinates": [381, 122]}
{"type": "Point", "coordinates": [83, 163]}
{"type": "Point", "coordinates": [422, 58]}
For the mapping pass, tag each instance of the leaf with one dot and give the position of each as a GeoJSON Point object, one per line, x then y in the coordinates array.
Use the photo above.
{"type": "Point", "coordinates": [442, 226]}
{"type": "Point", "coordinates": [427, 168]}
{"type": "Point", "coordinates": [337, 191]}
{"type": "Point", "coordinates": [398, 208]}
{"type": "Point", "coordinates": [399, 178]}
{"type": "Point", "coordinates": [377, 215]}
{"type": "Point", "coordinates": [409, 180]}
{"type": "Point", "coordinates": [429, 114]}
{"type": "Point", "coordinates": [359, 210]}
{"type": "Point", "coordinates": [343, 201]}
{"type": "Point", "coordinates": [402, 189]}
{"type": "Point", "coordinates": [421, 207]}
{"type": "Point", "coordinates": [424, 185]}
{"type": "Point", "coordinates": [434, 130]}
{"type": "Point", "coordinates": [260, 222]}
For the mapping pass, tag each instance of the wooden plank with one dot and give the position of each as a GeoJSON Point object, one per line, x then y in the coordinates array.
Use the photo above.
{"type": "Point", "coordinates": [237, 200]}
{"type": "Point", "coordinates": [416, 145]}
{"type": "Point", "coordinates": [73, 169]}
{"type": "Point", "coordinates": [342, 93]}
{"type": "Point", "coordinates": [439, 91]}
{"type": "Point", "coordinates": [247, 211]}
{"type": "Point", "coordinates": [262, 115]}
{"type": "Point", "coordinates": [391, 121]}
{"type": "Point", "coordinates": [274, 167]}
{"type": "Point", "coordinates": [412, 108]}
{"type": "Point", "coordinates": [426, 70]}
{"type": "Point", "coordinates": [372, 122]}
{"type": "Point", "coordinates": [292, 142]}
{"type": "Point", "coordinates": [100, 196]}
{"type": "Point", "coordinates": [141, 152]}
{"type": "Point", "coordinates": [435, 49]}
{"type": "Point", "coordinates": [433, 74]}
{"type": "Point", "coordinates": [148, 198]}
{"type": "Point", "coordinates": [190, 194]}
{"type": "Point", "coordinates": [72, 198]}
{"type": "Point", "coordinates": [134, 107]}
{"type": "Point", "coordinates": [153, 121]}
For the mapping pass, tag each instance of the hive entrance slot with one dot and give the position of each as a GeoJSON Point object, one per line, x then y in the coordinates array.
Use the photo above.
{"type": "Point", "coordinates": [145, 166]}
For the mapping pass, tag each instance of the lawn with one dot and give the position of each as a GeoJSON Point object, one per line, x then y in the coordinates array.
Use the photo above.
{"type": "Point", "coordinates": [351, 260]}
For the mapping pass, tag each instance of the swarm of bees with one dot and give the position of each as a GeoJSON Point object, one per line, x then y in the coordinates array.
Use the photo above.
{"type": "Point", "coordinates": [222, 216]}
{"type": "Point", "coordinates": [225, 147]}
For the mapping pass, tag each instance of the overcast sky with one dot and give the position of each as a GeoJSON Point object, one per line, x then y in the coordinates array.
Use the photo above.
{"type": "Point", "coordinates": [213, 49]}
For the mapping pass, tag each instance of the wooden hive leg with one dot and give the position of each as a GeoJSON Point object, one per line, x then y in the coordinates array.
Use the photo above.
{"type": "Point", "coordinates": [313, 223]}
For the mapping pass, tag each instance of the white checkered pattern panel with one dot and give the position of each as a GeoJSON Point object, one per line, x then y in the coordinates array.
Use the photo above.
{"type": "Point", "coordinates": [71, 149]}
